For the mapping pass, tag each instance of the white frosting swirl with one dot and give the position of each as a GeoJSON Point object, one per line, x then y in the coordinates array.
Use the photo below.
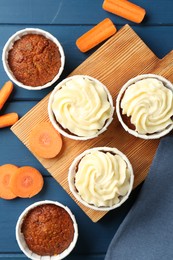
{"type": "Point", "coordinates": [102, 178]}
{"type": "Point", "coordinates": [150, 105]}
{"type": "Point", "coordinates": [81, 106]}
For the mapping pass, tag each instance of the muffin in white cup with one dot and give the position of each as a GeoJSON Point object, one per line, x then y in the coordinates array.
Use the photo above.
{"type": "Point", "coordinates": [80, 107]}
{"type": "Point", "coordinates": [144, 106]}
{"type": "Point", "coordinates": [101, 178]}
{"type": "Point", "coordinates": [33, 59]}
{"type": "Point", "coordinates": [46, 230]}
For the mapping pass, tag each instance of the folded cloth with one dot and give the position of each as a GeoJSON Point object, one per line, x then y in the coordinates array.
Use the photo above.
{"type": "Point", "coordinates": [147, 231]}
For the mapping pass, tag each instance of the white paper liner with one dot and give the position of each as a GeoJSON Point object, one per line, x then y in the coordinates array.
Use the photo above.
{"type": "Point", "coordinates": [9, 45]}
{"type": "Point", "coordinates": [71, 135]}
{"type": "Point", "coordinates": [21, 241]}
{"type": "Point", "coordinates": [72, 173]}
{"type": "Point", "coordinates": [157, 135]}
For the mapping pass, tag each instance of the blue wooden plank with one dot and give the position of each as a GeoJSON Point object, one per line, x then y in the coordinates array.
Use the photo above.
{"type": "Point", "coordinates": [21, 107]}
{"type": "Point", "coordinates": [13, 256]}
{"type": "Point", "coordinates": [152, 36]}
{"type": "Point", "coordinates": [51, 12]}
{"type": "Point", "coordinates": [70, 257]}
{"type": "Point", "coordinates": [76, 12]}
{"type": "Point", "coordinates": [159, 39]}
{"type": "Point", "coordinates": [89, 241]}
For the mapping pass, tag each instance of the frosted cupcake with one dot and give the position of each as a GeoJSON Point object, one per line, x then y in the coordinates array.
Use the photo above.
{"type": "Point", "coordinates": [101, 178]}
{"type": "Point", "coordinates": [145, 106]}
{"type": "Point", "coordinates": [46, 230]}
{"type": "Point", "coordinates": [80, 107]}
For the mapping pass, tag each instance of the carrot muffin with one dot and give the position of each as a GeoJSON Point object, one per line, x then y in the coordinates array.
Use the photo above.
{"type": "Point", "coordinates": [101, 178]}
{"type": "Point", "coordinates": [34, 60]}
{"type": "Point", "coordinates": [80, 106]}
{"type": "Point", "coordinates": [48, 230]}
{"type": "Point", "coordinates": [147, 101]}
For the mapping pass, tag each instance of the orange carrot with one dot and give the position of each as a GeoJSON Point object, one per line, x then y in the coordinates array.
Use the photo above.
{"type": "Point", "coordinates": [8, 119]}
{"type": "Point", "coordinates": [6, 172]}
{"type": "Point", "coordinates": [125, 9]}
{"type": "Point", "coordinates": [45, 141]}
{"type": "Point", "coordinates": [26, 182]}
{"type": "Point", "coordinates": [96, 35]}
{"type": "Point", "coordinates": [5, 92]}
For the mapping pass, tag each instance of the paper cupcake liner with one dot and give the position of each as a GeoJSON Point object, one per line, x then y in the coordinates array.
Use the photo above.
{"type": "Point", "coordinates": [58, 126]}
{"type": "Point", "coordinates": [72, 173]}
{"type": "Point", "coordinates": [9, 45]}
{"type": "Point", "coordinates": [21, 241]}
{"type": "Point", "coordinates": [157, 135]}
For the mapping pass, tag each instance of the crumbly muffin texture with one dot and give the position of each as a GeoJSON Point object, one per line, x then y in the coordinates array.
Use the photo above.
{"type": "Point", "coordinates": [34, 60]}
{"type": "Point", "coordinates": [48, 230]}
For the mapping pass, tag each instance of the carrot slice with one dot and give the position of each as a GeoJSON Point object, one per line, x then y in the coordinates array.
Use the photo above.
{"type": "Point", "coordinates": [6, 172]}
{"type": "Point", "coordinates": [5, 92]}
{"type": "Point", "coordinates": [8, 119]}
{"type": "Point", "coordinates": [96, 35]}
{"type": "Point", "coordinates": [45, 141]}
{"type": "Point", "coordinates": [125, 9]}
{"type": "Point", "coordinates": [26, 182]}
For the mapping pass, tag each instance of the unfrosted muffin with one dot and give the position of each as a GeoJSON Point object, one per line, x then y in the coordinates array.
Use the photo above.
{"type": "Point", "coordinates": [101, 178]}
{"type": "Point", "coordinates": [80, 107]}
{"type": "Point", "coordinates": [145, 106]}
{"type": "Point", "coordinates": [46, 229]}
{"type": "Point", "coordinates": [33, 58]}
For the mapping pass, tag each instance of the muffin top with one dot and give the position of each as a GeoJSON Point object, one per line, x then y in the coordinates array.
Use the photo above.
{"type": "Point", "coordinates": [34, 60]}
{"type": "Point", "coordinates": [149, 103]}
{"type": "Point", "coordinates": [48, 229]}
{"type": "Point", "coordinates": [81, 106]}
{"type": "Point", "coordinates": [102, 178]}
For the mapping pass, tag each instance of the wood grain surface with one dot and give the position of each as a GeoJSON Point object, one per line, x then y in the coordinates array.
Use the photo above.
{"type": "Point", "coordinates": [120, 58]}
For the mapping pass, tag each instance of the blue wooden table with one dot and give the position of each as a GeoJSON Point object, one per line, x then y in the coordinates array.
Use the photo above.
{"type": "Point", "coordinates": [66, 20]}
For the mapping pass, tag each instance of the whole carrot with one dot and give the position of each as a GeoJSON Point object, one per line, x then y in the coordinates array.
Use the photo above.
{"type": "Point", "coordinates": [125, 9]}
{"type": "Point", "coordinates": [8, 119]}
{"type": "Point", "coordinates": [96, 35]}
{"type": "Point", "coordinates": [5, 92]}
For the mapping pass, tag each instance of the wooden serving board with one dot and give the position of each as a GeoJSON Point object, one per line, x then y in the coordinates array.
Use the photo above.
{"type": "Point", "coordinates": [120, 58]}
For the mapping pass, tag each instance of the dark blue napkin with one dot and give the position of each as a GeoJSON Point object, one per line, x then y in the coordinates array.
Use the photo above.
{"type": "Point", "coordinates": [147, 231]}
